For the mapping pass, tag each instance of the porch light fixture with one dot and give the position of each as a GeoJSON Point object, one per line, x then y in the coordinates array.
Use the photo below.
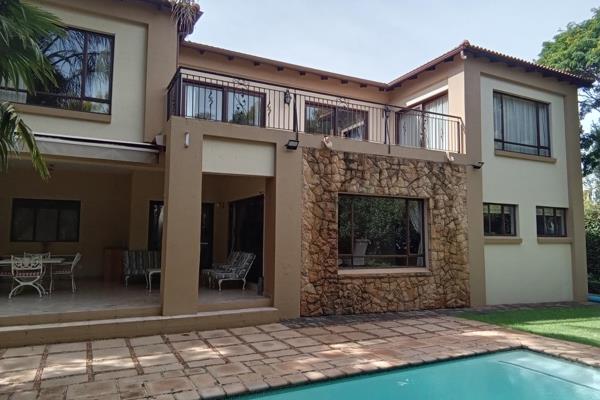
{"type": "Point", "coordinates": [292, 144]}
{"type": "Point", "coordinates": [478, 165]}
{"type": "Point", "coordinates": [186, 140]}
{"type": "Point", "coordinates": [287, 97]}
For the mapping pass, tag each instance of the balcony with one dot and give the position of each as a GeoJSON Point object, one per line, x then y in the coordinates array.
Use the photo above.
{"type": "Point", "coordinates": [195, 94]}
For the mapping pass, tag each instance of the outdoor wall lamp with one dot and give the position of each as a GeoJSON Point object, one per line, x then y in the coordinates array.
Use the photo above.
{"type": "Point", "coordinates": [292, 144]}
{"type": "Point", "coordinates": [287, 97]}
{"type": "Point", "coordinates": [186, 140]}
{"type": "Point", "coordinates": [478, 165]}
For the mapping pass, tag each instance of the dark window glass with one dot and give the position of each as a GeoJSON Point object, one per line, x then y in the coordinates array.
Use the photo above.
{"type": "Point", "coordinates": [155, 225]}
{"type": "Point", "coordinates": [83, 65]}
{"type": "Point", "coordinates": [339, 121]}
{"type": "Point", "coordinates": [245, 108]}
{"type": "Point", "coordinates": [45, 221]}
{"type": "Point", "coordinates": [551, 221]}
{"type": "Point", "coordinates": [499, 219]}
{"type": "Point", "coordinates": [379, 232]}
{"type": "Point", "coordinates": [521, 125]}
{"type": "Point", "coordinates": [203, 102]}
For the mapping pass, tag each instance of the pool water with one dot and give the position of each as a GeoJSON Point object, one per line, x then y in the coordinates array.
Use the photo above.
{"type": "Point", "coordinates": [513, 375]}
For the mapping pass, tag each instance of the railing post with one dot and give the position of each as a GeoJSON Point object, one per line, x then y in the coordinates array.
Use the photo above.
{"type": "Point", "coordinates": [295, 116]}
{"type": "Point", "coordinates": [179, 94]}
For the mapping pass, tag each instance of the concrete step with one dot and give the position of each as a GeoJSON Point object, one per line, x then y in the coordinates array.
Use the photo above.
{"type": "Point", "coordinates": [23, 335]}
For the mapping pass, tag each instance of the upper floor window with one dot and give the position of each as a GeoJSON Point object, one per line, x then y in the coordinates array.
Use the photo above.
{"type": "Point", "coordinates": [340, 121]}
{"type": "Point", "coordinates": [521, 125]}
{"type": "Point", "coordinates": [83, 65]}
{"type": "Point", "coordinates": [499, 219]}
{"type": "Point", "coordinates": [379, 232]}
{"type": "Point", "coordinates": [36, 220]}
{"type": "Point", "coordinates": [224, 104]}
{"type": "Point", "coordinates": [424, 125]}
{"type": "Point", "coordinates": [551, 221]}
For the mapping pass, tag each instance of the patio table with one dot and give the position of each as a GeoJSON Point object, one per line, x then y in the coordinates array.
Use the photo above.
{"type": "Point", "coordinates": [47, 261]}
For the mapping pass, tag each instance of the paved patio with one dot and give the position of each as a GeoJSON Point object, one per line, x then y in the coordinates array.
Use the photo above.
{"type": "Point", "coordinates": [210, 364]}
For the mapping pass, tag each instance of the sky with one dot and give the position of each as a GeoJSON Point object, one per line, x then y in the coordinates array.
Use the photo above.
{"type": "Point", "coordinates": [381, 39]}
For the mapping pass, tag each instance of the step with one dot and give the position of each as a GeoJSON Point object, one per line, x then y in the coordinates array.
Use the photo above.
{"type": "Point", "coordinates": [24, 335]}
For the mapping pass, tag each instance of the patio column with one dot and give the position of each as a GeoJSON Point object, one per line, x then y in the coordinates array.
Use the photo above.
{"type": "Point", "coordinates": [183, 218]}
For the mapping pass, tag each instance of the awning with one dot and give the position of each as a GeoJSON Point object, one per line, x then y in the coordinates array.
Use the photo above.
{"type": "Point", "coordinates": [97, 149]}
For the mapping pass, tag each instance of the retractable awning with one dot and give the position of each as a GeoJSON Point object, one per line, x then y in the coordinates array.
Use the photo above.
{"type": "Point", "coordinates": [97, 149]}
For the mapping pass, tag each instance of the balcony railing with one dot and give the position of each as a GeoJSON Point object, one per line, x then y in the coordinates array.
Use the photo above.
{"type": "Point", "coordinates": [194, 94]}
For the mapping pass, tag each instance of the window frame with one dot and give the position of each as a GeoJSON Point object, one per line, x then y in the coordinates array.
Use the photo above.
{"type": "Point", "coordinates": [36, 205]}
{"type": "Point", "coordinates": [82, 98]}
{"type": "Point", "coordinates": [406, 256]}
{"type": "Point", "coordinates": [420, 106]}
{"type": "Point", "coordinates": [334, 108]}
{"type": "Point", "coordinates": [225, 90]}
{"type": "Point", "coordinates": [504, 142]}
{"type": "Point", "coordinates": [488, 233]}
{"type": "Point", "coordinates": [564, 221]}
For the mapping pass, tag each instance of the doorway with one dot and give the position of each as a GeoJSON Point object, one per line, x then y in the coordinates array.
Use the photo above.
{"type": "Point", "coordinates": [207, 236]}
{"type": "Point", "coordinates": [246, 220]}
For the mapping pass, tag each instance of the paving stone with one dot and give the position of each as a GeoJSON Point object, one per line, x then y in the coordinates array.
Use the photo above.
{"type": "Point", "coordinates": [112, 364]}
{"type": "Point", "coordinates": [108, 343]}
{"type": "Point", "coordinates": [53, 393]}
{"type": "Point", "coordinates": [212, 392]}
{"type": "Point", "coordinates": [313, 331]}
{"type": "Point", "coordinates": [24, 351]}
{"type": "Point", "coordinates": [19, 363]}
{"type": "Point", "coordinates": [246, 358]}
{"type": "Point", "coordinates": [258, 337]}
{"type": "Point", "coordinates": [110, 353]}
{"type": "Point", "coordinates": [189, 395]}
{"type": "Point", "coordinates": [67, 347]}
{"type": "Point", "coordinates": [301, 342]}
{"type": "Point", "coordinates": [358, 336]}
{"type": "Point", "coordinates": [181, 337]}
{"type": "Point", "coordinates": [340, 328]}
{"type": "Point", "coordinates": [114, 374]}
{"type": "Point", "coordinates": [248, 330]}
{"type": "Point", "coordinates": [151, 349]}
{"type": "Point", "coordinates": [272, 345]}
{"type": "Point", "coordinates": [203, 380]}
{"type": "Point", "coordinates": [169, 385]}
{"type": "Point", "coordinates": [216, 333]}
{"type": "Point", "coordinates": [407, 330]}
{"type": "Point", "coordinates": [273, 327]}
{"type": "Point", "coordinates": [234, 389]}
{"type": "Point", "coordinates": [91, 389]}
{"type": "Point", "coordinates": [145, 340]}
{"type": "Point", "coordinates": [238, 350]}
{"type": "Point", "coordinates": [25, 395]}
{"type": "Point", "coordinates": [69, 380]}
{"type": "Point", "coordinates": [165, 368]}
{"type": "Point", "coordinates": [285, 334]}
{"type": "Point", "coordinates": [276, 382]}
{"type": "Point", "coordinates": [157, 359]}
{"type": "Point", "coordinates": [224, 341]}
{"type": "Point", "coordinates": [228, 369]}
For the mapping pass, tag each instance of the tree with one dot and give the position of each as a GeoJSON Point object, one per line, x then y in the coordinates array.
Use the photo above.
{"type": "Point", "coordinates": [22, 63]}
{"type": "Point", "coordinates": [577, 50]}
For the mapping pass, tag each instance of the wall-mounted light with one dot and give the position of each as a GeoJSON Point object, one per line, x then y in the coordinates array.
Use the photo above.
{"type": "Point", "coordinates": [292, 144]}
{"type": "Point", "coordinates": [186, 140]}
{"type": "Point", "coordinates": [478, 165]}
{"type": "Point", "coordinates": [287, 97]}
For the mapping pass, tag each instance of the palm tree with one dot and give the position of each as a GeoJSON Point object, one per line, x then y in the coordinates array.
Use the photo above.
{"type": "Point", "coordinates": [23, 64]}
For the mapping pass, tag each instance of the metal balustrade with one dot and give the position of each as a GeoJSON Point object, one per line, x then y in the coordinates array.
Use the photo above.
{"type": "Point", "coordinates": [209, 96]}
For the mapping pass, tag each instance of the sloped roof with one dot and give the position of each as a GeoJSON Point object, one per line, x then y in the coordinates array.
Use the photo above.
{"type": "Point", "coordinates": [465, 47]}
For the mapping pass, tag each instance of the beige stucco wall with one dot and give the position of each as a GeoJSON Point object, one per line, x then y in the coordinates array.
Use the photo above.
{"type": "Point", "coordinates": [129, 80]}
{"type": "Point", "coordinates": [528, 272]}
{"type": "Point", "coordinates": [237, 157]}
{"type": "Point", "coordinates": [104, 216]}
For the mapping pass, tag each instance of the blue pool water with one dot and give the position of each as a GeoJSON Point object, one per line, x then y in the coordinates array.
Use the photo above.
{"type": "Point", "coordinates": [507, 375]}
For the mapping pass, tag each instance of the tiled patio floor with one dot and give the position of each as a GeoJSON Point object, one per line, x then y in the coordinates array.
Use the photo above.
{"type": "Point", "coordinates": [216, 363]}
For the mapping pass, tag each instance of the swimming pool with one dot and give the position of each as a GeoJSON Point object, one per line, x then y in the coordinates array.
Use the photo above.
{"type": "Point", "coordinates": [517, 374]}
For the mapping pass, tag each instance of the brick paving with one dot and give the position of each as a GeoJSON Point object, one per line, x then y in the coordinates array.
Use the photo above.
{"type": "Point", "coordinates": [228, 362]}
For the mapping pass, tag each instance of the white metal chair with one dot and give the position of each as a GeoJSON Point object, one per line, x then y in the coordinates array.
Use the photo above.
{"type": "Point", "coordinates": [237, 272]}
{"type": "Point", "coordinates": [232, 259]}
{"type": "Point", "coordinates": [66, 268]}
{"type": "Point", "coordinates": [27, 271]}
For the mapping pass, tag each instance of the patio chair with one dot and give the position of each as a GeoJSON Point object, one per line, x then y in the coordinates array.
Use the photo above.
{"type": "Point", "coordinates": [236, 272]}
{"type": "Point", "coordinates": [27, 271]}
{"type": "Point", "coordinates": [65, 268]}
{"type": "Point", "coordinates": [232, 259]}
{"type": "Point", "coordinates": [43, 255]}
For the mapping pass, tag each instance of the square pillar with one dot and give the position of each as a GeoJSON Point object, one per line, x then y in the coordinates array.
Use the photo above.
{"type": "Point", "coordinates": [183, 218]}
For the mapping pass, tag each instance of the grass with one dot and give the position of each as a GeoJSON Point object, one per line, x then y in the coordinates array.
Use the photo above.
{"type": "Point", "coordinates": [579, 324]}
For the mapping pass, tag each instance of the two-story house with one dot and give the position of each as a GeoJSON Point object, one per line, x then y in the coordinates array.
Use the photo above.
{"type": "Point", "coordinates": [457, 184]}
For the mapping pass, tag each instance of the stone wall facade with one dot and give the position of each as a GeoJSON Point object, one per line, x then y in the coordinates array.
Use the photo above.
{"type": "Point", "coordinates": [445, 281]}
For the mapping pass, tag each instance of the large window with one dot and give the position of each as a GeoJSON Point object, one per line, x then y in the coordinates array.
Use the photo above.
{"type": "Point", "coordinates": [551, 221]}
{"type": "Point", "coordinates": [83, 65]}
{"type": "Point", "coordinates": [499, 219]}
{"type": "Point", "coordinates": [379, 232]}
{"type": "Point", "coordinates": [338, 121]}
{"type": "Point", "coordinates": [45, 220]}
{"type": "Point", "coordinates": [224, 104]}
{"type": "Point", "coordinates": [521, 125]}
{"type": "Point", "coordinates": [423, 126]}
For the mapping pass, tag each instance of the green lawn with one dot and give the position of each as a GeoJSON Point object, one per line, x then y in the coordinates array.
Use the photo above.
{"type": "Point", "coordinates": [576, 324]}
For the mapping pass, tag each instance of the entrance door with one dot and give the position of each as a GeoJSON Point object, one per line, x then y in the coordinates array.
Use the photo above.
{"type": "Point", "coordinates": [246, 231]}
{"type": "Point", "coordinates": [206, 236]}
